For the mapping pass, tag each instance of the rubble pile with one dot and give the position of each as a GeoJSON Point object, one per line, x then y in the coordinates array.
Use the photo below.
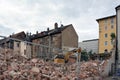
{"type": "Point", "coordinates": [89, 69]}
{"type": "Point", "coordinates": [16, 67]}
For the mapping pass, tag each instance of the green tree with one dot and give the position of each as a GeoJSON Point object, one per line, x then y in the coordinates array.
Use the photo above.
{"type": "Point", "coordinates": [84, 55]}
{"type": "Point", "coordinates": [112, 35]}
{"type": "Point", "coordinates": [90, 53]}
{"type": "Point", "coordinates": [113, 39]}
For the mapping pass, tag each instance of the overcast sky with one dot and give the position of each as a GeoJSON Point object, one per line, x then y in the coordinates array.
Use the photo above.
{"type": "Point", "coordinates": [37, 15]}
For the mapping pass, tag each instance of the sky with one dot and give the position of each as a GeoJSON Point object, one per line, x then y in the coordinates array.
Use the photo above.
{"type": "Point", "coordinates": [38, 15]}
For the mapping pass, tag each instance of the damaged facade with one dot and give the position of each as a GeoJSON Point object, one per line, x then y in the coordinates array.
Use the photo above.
{"type": "Point", "coordinates": [58, 39]}
{"type": "Point", "coordinates": [15, 43]}
{"type": "Point", "coordinates": [43, 44]}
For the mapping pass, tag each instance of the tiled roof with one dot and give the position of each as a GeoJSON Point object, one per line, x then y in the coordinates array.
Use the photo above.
{"type": "Point", "coordinates": [50, 32]}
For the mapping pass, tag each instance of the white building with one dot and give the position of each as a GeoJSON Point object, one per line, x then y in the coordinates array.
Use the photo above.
{"type": "Point", "coordinates": [89, 45]}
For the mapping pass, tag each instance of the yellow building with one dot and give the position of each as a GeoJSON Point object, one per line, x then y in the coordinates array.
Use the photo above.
{"type": "Point", "coordinates": [107, 25]}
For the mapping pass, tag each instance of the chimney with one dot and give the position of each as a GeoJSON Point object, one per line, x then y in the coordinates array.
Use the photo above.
{"type": "Point", "coordinates": [10, 36]}
{"type": "Point", "coordinates": [61, 25]}
{"type": "Point", "coordinates": [27, 34]}
{"type": "Point", "coordinates": [30, 33]}
{"type": "Point", "coordinates": [36, 32]}
{"type": "Point", "coordinates": [48, 29]}
{"type": "Point", "coordinates": [55, 26]}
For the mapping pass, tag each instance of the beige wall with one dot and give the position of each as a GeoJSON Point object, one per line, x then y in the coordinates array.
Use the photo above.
{"type": "Point", "coordinates": [16, 48]}
{"type": "Point", "coordinates": [69, 37]}
{"type": "Point", "coordinates": [23, 47]}
{"type": "Point", "coordinates": [34, 47]}
{"type": "Point", "coordinates": [56, 42]}
{"type": "Point", "coordinates": [102, 31]}
{"type": "Point", "coordinates": [28, 51]}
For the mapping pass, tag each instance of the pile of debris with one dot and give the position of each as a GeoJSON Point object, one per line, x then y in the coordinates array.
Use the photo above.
{"type": "Point", "coordinates": [89, 69]}
{"type": "Point", "coordinates": [16, 67]}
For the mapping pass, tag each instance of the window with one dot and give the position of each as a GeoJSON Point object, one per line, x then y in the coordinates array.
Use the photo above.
{"type": "Point", "coordinates": [105, 27]}
{"type": "Point", "coordinates": [24, 52]}
{"type": "Point", "coordinates": [112, 20]}
{"type": "Point", "coordinates": [106, 35]}
{"type": "Point", "coordinates": [112, 26]}
{"type": "Point", "coordinates": [18, 45]}
{"type": "Point", "coordinates": [106, 43]}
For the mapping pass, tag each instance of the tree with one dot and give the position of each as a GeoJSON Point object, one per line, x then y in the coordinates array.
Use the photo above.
{"type": "Point", "coordinates": [90, 53]}
{"type": "Point", "coordinates": [84, 55]}
{"type": "Point", "coordinates": [112, 36]}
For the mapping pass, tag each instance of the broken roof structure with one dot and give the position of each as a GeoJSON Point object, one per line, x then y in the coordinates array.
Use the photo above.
{"type": "Point", "coordinates": [21, 35]}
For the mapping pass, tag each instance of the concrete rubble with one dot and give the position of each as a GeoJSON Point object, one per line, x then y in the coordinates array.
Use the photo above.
{"type": "Point", "coordinates": [16, 67]}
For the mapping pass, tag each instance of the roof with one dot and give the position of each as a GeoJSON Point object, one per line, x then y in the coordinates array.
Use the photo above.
{"type": "Point", "coordinates": [106, 17]}
{"type": "Point", "coordinates": [20, 35]}
{"type": "Point", "coordinates": [3, 40]}
{"type": "Point", "coordinates": [118, 7]}
{"type": "Point", "coordinates": [50, 32]}
{"type": "Point", "coordinates": [90, 40]}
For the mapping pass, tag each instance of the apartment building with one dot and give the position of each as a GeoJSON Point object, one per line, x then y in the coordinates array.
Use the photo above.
{"type": "Point", "coordinates": [59, 38]}
{"type": "Point", "coordinates": [107, 25]}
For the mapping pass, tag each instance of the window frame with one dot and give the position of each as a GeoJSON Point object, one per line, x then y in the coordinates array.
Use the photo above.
{"type": "Point", "coordinates": [105, 35]}
{"type": "Point", "coordinates": [112, 26]}
{"type": "Point", "coordinates": [106, 43]}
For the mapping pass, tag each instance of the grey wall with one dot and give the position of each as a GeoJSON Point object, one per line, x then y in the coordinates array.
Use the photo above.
{"type": "Point", "coordinates": [89, 45]}
{"type": "Point", "coordinates": [118, 29]}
